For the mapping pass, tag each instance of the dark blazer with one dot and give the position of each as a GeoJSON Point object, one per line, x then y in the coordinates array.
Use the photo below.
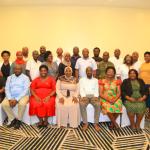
{"type": "Point", "coordinates": [126, 88]}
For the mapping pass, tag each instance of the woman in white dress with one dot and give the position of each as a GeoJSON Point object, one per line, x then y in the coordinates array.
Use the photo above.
{"type": "Point", "coordinates": [67, 102]}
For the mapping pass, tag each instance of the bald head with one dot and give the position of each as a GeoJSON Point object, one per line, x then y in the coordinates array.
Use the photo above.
{"type": "Point", "coordinates": [117, 53]}
{"type": "Point", "coordinates": [135, 56]}
{"type": "Point", "coordinates": [89, 72]}
{"type": "Point", "coordinates": [59, 52]}
{"type": "Point", "coordinates": [25, 51]}
{"type": "Point", "coordinates": [85, 53]}
{"type": "Point", "coordinates": [105, 56]}
{"type": "Point", "coordinates": [17, 69]}
{"type": "Point", "coordinates": [42, 49]}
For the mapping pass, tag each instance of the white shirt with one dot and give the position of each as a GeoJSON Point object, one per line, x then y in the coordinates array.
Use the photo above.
{"type": "Point", "coordinates": [58, 60]}
{"type": "Point", "coordinates": [117, 63]}
{"type": "Point", "coordinates": [33, 67]}
{"type": "Point", "coordinates": [83, 63]}
{"type": "Point", "coordinates": [137, 65]}
{"type": "Point", "coordinates": [88, 87]}
{"type": "Point", "coordinates": [124, 70]}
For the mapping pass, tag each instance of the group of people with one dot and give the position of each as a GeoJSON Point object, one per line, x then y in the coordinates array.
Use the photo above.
{"type": "Point", "coordinates": [63, 87]}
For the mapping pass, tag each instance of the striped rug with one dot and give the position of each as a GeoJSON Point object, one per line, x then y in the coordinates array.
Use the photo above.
{"type": "Point", "coordinates": [53, 138]}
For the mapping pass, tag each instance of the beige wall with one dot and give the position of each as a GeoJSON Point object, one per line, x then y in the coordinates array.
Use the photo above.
{"type": "Point", "coordinates": [107, 28]}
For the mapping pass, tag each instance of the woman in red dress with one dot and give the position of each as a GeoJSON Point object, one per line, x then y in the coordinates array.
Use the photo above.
{"type": "Point", "coordinates": [42, 100]}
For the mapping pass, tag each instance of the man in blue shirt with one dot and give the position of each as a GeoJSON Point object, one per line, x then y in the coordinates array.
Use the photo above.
{"type": "Point", "coordinates": [17, 92]}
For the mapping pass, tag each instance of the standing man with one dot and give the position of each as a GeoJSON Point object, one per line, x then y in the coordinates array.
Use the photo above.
{"type": "Point", "coordinates": [74, 58]}
{"type": "Point", "coordinates": [17, 92]}
{"type": "Point", "coordinates": [96, 52]}
{"type": "Point", "coordinates": [59, 58]}
{"type": "Point", "coordinates": [136, 63]}
{"type": "Point", "coordinates": [32, 66]}
{"type": "Point", "coordinates": [83, 63]}
{"type": "Point", "coordinates": [25, 52]}
{"type": "Point", "coordinates": [42, 53]}
{"type": "Point", "coordinates": [103, 65]}
{"type": "Point", "coordinates": [89, 92]}
{"type": "Point", "coordinates": [117, 61]}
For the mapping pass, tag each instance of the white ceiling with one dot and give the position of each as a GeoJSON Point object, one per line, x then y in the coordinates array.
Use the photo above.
{"type": "Point", "coordinates": [116, 3]}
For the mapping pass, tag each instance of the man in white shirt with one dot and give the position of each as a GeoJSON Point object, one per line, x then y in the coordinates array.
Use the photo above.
{"type": "Point", "coordinates": [136, 62]}
{"type": "Point", "coordinates": [116, 60]}
{"type": "Point", "coordinates": [32, 66]}
{"type": "Point", "coordinates": [83, 63]}
{"type": "Point", "coordinates": [59, 56]}
{"type": "Point", "coordinates": [17, 92]}
{"type": "Point", "coordinates": [89, 93]}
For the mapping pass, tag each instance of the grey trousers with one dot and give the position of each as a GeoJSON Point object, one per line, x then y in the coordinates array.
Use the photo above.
{"type": "Point", "coordinates": [96, 104]}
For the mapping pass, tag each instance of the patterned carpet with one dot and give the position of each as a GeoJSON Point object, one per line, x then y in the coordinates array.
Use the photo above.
{"type": "Point", "coordinates": [53, 138]}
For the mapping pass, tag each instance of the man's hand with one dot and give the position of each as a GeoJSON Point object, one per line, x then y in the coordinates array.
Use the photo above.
{"type": "Point", "coordinates": [12, 103]}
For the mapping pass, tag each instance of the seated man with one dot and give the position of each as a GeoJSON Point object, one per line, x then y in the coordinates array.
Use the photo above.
{"type": "Point", "coordinates": [89, 93]}
{"type": "Point", "coordinates": [17, 91]}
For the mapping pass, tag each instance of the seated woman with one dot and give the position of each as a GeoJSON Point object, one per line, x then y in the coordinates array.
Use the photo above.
{"type": "Point", "coordinates": [110, 93]}
{"type": "Point", "coordinates": [134, 95]}
{"type": "Point", "coordinates": [67, 104]}
{"type": "Point", "coordinates": [19, 61]}
{"type": "Point", "coordinates": [52, 66]}
{"type": "Point", "coordinates": [42, 100]}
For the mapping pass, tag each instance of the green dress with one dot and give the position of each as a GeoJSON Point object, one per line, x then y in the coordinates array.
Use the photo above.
{"type": "Point", "coordinates": [135, 107]}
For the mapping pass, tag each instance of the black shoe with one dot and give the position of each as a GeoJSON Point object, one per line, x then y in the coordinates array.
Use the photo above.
{"type": "Point", "coordinates": [12, 124]}
{"type": "Point", "coordinates": [17, 125]}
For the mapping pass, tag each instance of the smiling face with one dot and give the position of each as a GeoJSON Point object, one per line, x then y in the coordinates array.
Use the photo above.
{"type": "Point", "coordinates": [68, 72]}
{"type": "Point", "coordinates": [85, 53]}
{"type": "Point", "coordinates": [43, 72]}
{"type": "Point", "coordinates": [147, 58]}
{"type": "Point", "coordinates": [133, 75]}
{"type": "Point", "coordinates": [105, 56]}
{"type": "Point", "coordinates": [5, 56]}
{"type": "Point", "coordinates": [89, 72]}
{"type": "Point", "coordinates": [17, 70]}
{"type": "Point", "coordinates": [67, 57]}
{"type": "Point", "coordinates": [110, 73]}
{"type": "Point", "coordinates": [128, 60]}
{"type": "Point", "coordinates": [42, 49]}
{"type": "Point", "coordinates": [19, 55]}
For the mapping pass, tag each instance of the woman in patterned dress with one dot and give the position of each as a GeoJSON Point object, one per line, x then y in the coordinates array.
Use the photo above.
{"type": "Point", "coordinates": [110, 92]}
{"type": "Point", "coordinates": [134, 94]}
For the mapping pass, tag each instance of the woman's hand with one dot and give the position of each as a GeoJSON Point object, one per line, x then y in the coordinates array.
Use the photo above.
{"type": "Point", "coordinates": [37, 99]}
{"type": "Point", "coordinates": [75, 100]}
{"type": "Point", "coordinates": [61, 100]}
{"type": "Point", "coordinates": [46, 99]}
{"type": "Point", "coordinates": [131, 99]}
{"type": "Point", "coordinates": [141, 99]}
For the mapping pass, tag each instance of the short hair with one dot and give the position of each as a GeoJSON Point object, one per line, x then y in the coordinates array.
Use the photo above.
{"type": "Point", "coordinates": [124, 61]}
{"type": "Point", "coordinates": [147, 53]}
{"type": "Point", "coordinates": [47, 53]}
{"type": "Point", "coordinates": [97, 48]}
{"type": "Point", "coordinates": [135, 71]}
{"type": "Point", "coordinates": [110, 67]}
{"type": "Point", "coordinates": [43, 66]}
{"type": "Point", "coordinates": [5, 52]}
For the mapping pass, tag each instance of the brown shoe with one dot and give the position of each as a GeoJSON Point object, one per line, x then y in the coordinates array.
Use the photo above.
{"type": "Point", "coordinates": [97, 128]}
{"type": "Point", "coordinates": [85, 127]}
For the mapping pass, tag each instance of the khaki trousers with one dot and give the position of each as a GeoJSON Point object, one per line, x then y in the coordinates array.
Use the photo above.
{"type": "Point", "coordinates": [96, 104]}
{"type": "Point", "coordinates": [21, 108]}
